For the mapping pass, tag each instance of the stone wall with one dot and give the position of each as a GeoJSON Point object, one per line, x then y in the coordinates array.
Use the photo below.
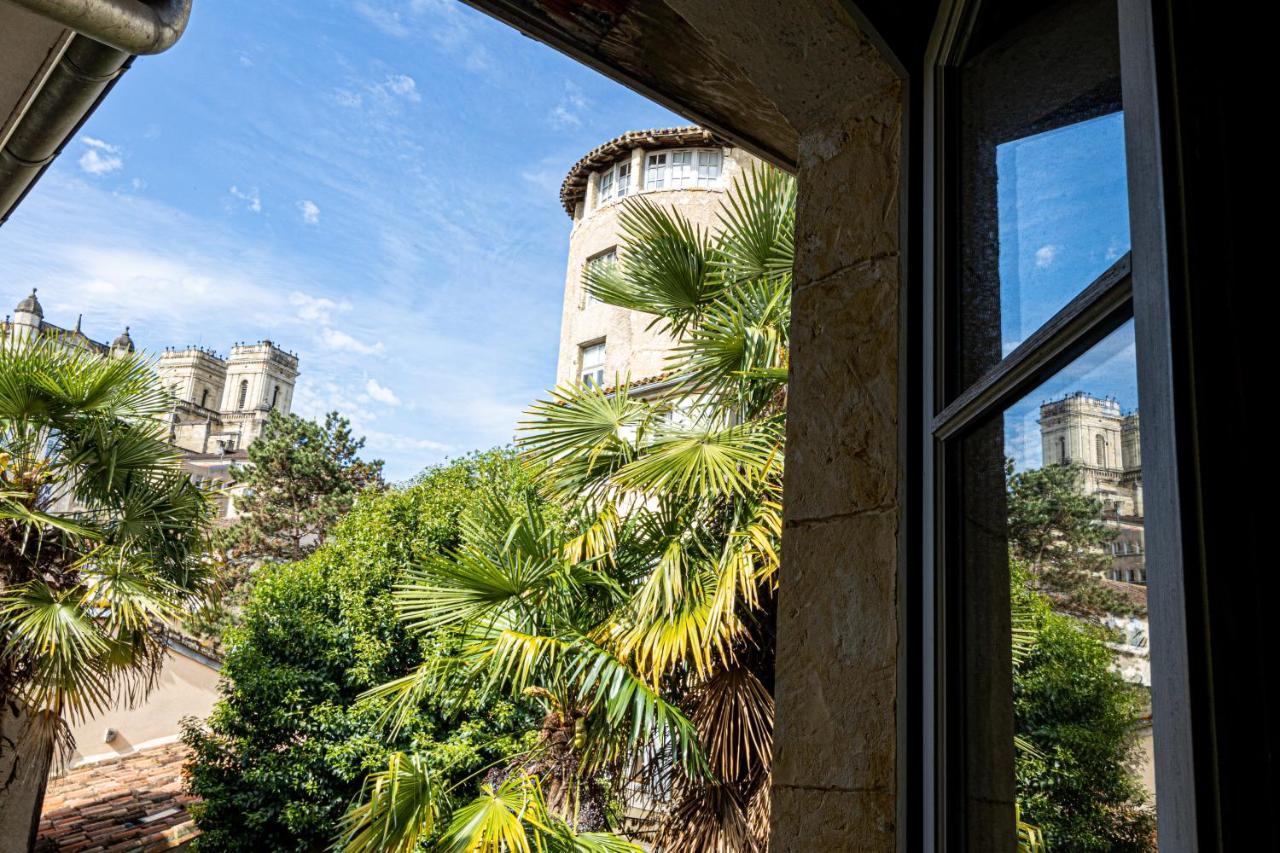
{"type": "Point", "coordinates": [835, 766]}
{"type": "Point", "coordinates": [631, 346]}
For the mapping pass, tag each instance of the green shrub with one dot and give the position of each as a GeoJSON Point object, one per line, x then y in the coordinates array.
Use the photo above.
{"type": "Point", "coordinates": [289, 743]}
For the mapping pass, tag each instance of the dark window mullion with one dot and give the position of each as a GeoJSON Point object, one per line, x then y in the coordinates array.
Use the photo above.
{"type": "Point", "coordinates": [1096, 312]}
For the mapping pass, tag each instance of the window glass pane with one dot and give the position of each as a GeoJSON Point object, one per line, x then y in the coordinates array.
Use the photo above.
{"type": "Point", "coordinates": [606, 186]}
{"type": "Point", "coordinates": [623, 180]}
{"type": "Point", "coordinates": [1056, 622]}
{"type": "Point", "coordinates": [709, 164]}
{"type": "Point", "coordinates": [682, 169]}
{"type": "Point", "coordinates": [655, 171]}
{"type": "Point", "coordinates": [1040, 172]}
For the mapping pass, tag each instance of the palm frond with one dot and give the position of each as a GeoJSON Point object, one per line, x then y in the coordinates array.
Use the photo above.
{"type": "Point", "coordinates": [757, 225]}
{"type": "Point", "coordinates": [664, 268]}
{"type": "Point", "coordinates": [398, 806]}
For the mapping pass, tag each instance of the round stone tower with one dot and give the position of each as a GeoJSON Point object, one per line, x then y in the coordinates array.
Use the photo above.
{"type": "Point", "coordinates": [28, 319]}
{"type": "Point", "coordinates": [687, 169]}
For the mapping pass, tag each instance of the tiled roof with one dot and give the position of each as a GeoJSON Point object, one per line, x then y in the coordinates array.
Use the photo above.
{"type": "Point", "coordinates": [574, 188]}
{"type": "Point", "coordinates": [132, 803]}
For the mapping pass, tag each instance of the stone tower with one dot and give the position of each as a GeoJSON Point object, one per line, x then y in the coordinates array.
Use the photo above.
{"type": "Point", "coordinates": [194, 375]}
{"type": "Point", "coordinates": [1093, 434]}
{"type": "Point", "coordinates": [685, 168]}
{"type": "Point", "coordinates": [28, 318]}
{"type": "Point", "coordinates": [259, 379]}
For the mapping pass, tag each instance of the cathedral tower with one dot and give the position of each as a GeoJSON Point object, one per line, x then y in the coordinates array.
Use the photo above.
{"type": "Point", "coordinates": [259, 379]}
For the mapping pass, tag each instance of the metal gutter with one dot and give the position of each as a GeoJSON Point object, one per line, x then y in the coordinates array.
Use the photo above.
{"type": "Point", "coordinates": [109, 34]}
{"type": "Point", "coordinates": [75, 87]}
{"type": "Point", "coordinates": [130, 26]}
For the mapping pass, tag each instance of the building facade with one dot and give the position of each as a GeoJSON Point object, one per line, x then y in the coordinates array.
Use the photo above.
{"type": "Point", "coordinates": [220, 405]}
{"type": "Point", "coordinates": [686, 169]}
{"type": "Point", "coordinates": [1101, 441]}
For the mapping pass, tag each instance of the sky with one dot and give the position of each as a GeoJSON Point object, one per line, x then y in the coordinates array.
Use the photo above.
{"type": "Point", "coordinates": [372, 184]}
{"type": "Point", "coordinates": [1063, 209]}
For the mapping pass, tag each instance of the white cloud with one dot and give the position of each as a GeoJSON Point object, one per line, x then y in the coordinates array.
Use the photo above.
{"type": "Point", "coordinates": [1045, 255]}
{"type": "Point", "coordinates": [389, 21]}
{"type": "Point", "coordinates": [100, 158]}
{"type": "Point", "coordinates": [138, 184]}
{"type": "Point", "coordinates": [404, 86]}
{"type": "Point", "coordinates": [310, 211]}
{"type": "Point", "coordinates": [567, 112]}
{"type": "Point", "coordinates": [251, 199]}
{"type": "Point", "coordinates": [339, 340]}
{"type": "Point", "coordinates": [381, 393]}
{"type": "Point", "coordinates": [245, 60]}
{"type": "Point", "coordinates": [316, 309]}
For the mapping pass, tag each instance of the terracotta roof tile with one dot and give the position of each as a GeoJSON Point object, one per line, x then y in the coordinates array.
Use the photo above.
{"type": "Point", "coordinates": [132, 803]}
{"type": "Point", "coordinates": [574, 187]}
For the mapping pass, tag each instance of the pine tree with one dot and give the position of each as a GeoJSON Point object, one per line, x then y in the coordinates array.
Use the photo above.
{"type": "Point", "coordinates": [301, 478]}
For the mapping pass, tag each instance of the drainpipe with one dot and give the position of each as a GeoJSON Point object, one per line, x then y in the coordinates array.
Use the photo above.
{"type": "Point", "coordinates": [130, 26]}
{"type": "Point", "coordinates": [109, 34]}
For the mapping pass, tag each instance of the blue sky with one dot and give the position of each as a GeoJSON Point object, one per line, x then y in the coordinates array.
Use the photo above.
{"type": "Point", "coordinates": [1064, 219]}
{"type": "Point", "coordinates": [370, 183]}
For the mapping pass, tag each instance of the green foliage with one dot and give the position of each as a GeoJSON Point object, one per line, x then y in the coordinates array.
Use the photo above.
{"type": "Point", "coordinates": [101, 535]}
{"type": "Point", "coordinates": [1076, 784]}
{"type": "Point", "coordinates": [288, 745]}
{"type": "Point", "coordinates": [301, 478]}
{"type": "Point", "coordinates": [1058, 532]}
{"type": "Point", "coordinates": [640, 618]}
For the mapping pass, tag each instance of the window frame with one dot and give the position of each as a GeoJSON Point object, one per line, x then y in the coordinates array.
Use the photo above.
{"type": "Point", "coordinates": [609, 255]}
{"type": "Point", "coordinates": [1136, 287]}
{"type": "Point", "coordinates": [582, 362]}
{"type": "Point", "coordinates": [692, 179]}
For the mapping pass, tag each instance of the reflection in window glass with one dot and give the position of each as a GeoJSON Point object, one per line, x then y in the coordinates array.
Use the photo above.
{"type": "Point", "coordinates": [1039, 171]}
{"type": "Point", "coordinates": [1064, 218]}
{"type": "Point", "coordinates": [1072, 506]}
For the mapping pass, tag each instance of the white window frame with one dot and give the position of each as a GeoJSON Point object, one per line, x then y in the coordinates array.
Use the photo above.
{"type": "Point", "coordinates": [604, 192]}
{"type": "Point", "coordinates": [613, 183]}
{"type": "Point", "coordinates": [608, 256]}
{"type": "Point", "coordinates": [622, 179]}
{"type": "Point", "coordinates": [683, 168]}
{"type": "Point", "coordinates": [591, 363]}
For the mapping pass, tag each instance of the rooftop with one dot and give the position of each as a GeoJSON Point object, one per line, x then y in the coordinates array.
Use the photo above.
{"type": "Point", "coordinates": [574, 188]}
{"type": "Point", "coordinates": [135, 802]}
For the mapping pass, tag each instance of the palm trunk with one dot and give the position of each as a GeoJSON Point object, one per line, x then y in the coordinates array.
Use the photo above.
{"type": "Point", "coordinates": [24, 774]}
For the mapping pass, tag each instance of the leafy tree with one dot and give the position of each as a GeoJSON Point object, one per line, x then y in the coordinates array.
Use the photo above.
{"type": "Point", "coordinates": [1075, 782]}
{"type": "Point", "coordinates": [290, 742]}
{"type": "Point", "coordinates": [1057, 532]}
{"type": "Point", "coordinates": [640, 620]}
{"type": "Point", "coordinates": [301, 478]}
{"type": "Point", "coordinates": [100, 538]}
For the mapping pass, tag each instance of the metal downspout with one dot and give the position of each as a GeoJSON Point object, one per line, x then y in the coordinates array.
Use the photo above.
{"type": "Point", "coordinates": [109, 34]}
{"type": "Point", "coordinates": [131, 26]}
{"type": "Point", "coordinates": [85, 73]}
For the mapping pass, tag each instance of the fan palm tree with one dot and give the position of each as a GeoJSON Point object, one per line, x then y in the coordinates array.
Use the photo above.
{"type": "Point", "coordinates": [642, 619]}
{"type": "Point", "coordinates": [100, 537]}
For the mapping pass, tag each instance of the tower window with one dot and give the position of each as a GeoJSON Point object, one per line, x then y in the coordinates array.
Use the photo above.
{"type": "Point", "coordinates": [681, 169]}
{"type": "Point", "coordinates": [1062, 449]}
{"type": "Point", "coordinates": [622, 179]}
{"type": "Point", "coordinates": [606, 187]}
{"type": "Point", "coordinates": [275, 396]}
{"type": "Point", "coordinates": [593, 365]}
{"type": "Point", "coordinates": [709, 167]}
{"type": "Point", "coordinates": [655, 172]}
{"type": "Point", "coordinates": [1100, 448]}
{"type": "Point", "coordinates": [204, 398]}
{"type": "Point", "coordinates": [608, 256]}
{"type": "Point", "coordinates": [244, 394]}
{"type": "Point", "coordinates": [615, 183]}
